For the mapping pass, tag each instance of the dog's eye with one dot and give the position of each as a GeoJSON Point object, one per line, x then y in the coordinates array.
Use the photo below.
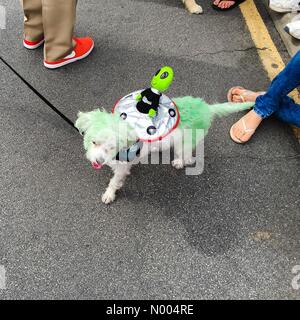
{"type": "Point", "coordinates": [94, 143]}
{"type": "Point", "coordinates": [109, 147]}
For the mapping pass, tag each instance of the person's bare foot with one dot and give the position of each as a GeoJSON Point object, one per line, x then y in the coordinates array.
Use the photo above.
{"type": "Point", "coordinates": [224, 4]}
{"type": "Point", "coordinates": [243, 130]}
{"type": "Point", "coordinates": [240, 94]}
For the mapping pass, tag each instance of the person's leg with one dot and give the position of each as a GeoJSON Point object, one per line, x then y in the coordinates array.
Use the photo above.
{"type": "Point", "coordinates": [289, 112]}
{"type": "Point", "coordinates": [274, 101]}
{"type": "Point", "coordinates": [285, 82]}
{"type": "Point", "coordinates": [33, 23]}
{"type": "Point", "coordinates": [58, 20]}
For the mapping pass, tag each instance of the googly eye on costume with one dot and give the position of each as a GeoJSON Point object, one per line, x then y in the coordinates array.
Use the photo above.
{"type": "Point", "coordinates": [172, 113]}
{"type": "Point", "coordinates": [164, 75]}
{"type": "Point", "coordinates": [149, 129]}
{"type": "Point", "coordinates": [123, 115]}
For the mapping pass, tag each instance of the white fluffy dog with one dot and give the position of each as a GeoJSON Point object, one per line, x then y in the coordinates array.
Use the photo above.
{"type": "Point", "coordinates": [109, 140]}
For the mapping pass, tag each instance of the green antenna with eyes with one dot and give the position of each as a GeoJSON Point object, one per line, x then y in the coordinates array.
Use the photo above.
{"type": "Point", "coordinates": [148, 100]}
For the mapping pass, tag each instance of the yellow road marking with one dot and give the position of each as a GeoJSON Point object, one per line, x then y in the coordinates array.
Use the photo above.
{"type": "Point", "coordinates": [267, 50]}
{"type": "Point", "coordinates": [262, 39]}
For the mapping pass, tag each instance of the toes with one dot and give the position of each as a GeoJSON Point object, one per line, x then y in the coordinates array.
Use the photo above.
{"type": "Point", "coordinates": [239, 133]}
{"type": "Point", "coordinates": [238, 130]}
{"type": "Point", "coordinates": [244, 137]}
{"type": "Point", "coordinates": [225, 4]}
{"type": "Point", "coordinates": [236, 98]}
{"type": "Point", "coordinates": [239, 91]}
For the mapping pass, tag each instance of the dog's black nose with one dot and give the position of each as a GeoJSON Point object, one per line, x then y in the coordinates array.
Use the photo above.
{"type": "Point", "coordinates": [100, 161]}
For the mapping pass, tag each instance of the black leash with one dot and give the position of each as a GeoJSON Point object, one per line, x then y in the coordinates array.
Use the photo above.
{"type": "Point", "coordinates": [70, 122]}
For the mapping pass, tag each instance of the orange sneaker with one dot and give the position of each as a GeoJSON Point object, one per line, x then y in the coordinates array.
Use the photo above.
{"type": "Point", "coordinates": [83, 47]}
{"type": "Point", "coordinates": [32, 44]}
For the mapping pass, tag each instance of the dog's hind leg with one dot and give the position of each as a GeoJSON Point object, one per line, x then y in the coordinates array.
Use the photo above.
{"type": "Point", "coordinates": [183, 158]}
{"type": "Point", "coordinates": [121, 171]}
{"type": "Point", "coordinates": [183, 151]}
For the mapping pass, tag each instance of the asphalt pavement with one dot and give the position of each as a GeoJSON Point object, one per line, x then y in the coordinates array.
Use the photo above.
{"type": "Point", "coordinates": [229, 233]}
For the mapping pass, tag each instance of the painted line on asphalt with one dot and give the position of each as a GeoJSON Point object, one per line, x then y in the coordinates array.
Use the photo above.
{"type": "Point", "coordinates": [270, 57]}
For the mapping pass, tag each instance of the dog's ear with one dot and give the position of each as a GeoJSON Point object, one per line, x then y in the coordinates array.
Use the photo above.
{"type": "Point", "coordinates": [83, 121]}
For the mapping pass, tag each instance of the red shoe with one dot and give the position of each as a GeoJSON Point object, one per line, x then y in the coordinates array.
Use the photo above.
{"type": "Point", "coordinates": [32, 44]}
{"type": "Point", "coordinates": [83, 48]}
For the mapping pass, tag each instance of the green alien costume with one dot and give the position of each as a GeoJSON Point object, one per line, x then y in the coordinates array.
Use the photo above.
{"type": "Point", "coordinates": [150, 112]}
{"type": "Point", "coordinates": [149, 115]}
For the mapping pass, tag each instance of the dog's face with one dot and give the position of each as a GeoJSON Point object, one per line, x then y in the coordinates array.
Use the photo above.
{"type": "Point", "coordinates": [104, 135]}
{"type": "Point", "coordinates": [101, 148]}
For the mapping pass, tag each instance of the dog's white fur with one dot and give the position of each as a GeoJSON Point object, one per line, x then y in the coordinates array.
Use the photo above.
{"type": "Point", "coordinates": [192, 6]}
{"type": "Point", "coordinates": [105, 148]}
{"type": "Point", "coordinates": [105, 134]}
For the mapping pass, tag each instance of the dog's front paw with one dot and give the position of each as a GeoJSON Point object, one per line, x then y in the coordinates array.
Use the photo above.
{"type": "Point", "coordinates": [178, 163]}
{"type": "Point", "coordinates": [196, 9]}
{"type": "Point", "coordinates": [108, 197]}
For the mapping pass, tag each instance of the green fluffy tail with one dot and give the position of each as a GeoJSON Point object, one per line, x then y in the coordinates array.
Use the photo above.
{"type": "Point", "coordinates": [195, 113]}
{"type": "Point", "coordinates": [223, 109]}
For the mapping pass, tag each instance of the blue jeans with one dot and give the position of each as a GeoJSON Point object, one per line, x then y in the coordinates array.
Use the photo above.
{"type": "Point", "coordinates": [276, 101]}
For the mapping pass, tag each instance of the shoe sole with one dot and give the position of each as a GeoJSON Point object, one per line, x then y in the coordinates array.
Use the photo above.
{"type": "Point", "coordinates": [59, 65]}
{"type": "Point", "coordinates": [290, 33]}
{"type": "Point", "coordinates": [282, 10]}
{"type": "Point", "coordinates": [33, 47]}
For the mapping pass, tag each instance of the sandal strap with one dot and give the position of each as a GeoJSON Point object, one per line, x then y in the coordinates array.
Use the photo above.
{"type": "Point", "coordinates": [247, 93]}
{"type": "Point", "coordinates": [242, 98]}
{"type": "Point", "coordinates": [246, 130]}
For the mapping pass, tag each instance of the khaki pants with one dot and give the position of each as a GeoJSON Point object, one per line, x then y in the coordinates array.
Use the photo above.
{"type": "Point", "coordinates": [54, 20]}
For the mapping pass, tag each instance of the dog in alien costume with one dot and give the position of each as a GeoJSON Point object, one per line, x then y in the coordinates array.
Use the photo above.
{"type": "Point", "coordinates": [146, 121]}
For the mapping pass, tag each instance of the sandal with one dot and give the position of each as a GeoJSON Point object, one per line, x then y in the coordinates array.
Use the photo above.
{"type": "Point", "coordinates": [236, 4]}
{"type": "Point", "coordinates": [243, 96]}
{"type": "Point", "coordinates": [246, 131]}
